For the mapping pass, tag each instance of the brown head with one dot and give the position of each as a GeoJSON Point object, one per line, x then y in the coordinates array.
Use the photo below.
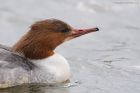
{"type": "Point", "coordinates": [44, 36]}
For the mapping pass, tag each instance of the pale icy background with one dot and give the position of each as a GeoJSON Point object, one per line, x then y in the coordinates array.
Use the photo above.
{"type": "Point", "coordinates": [104, 62]}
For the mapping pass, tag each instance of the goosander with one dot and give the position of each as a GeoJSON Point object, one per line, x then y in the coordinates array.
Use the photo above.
{"type": "Point", "coordinates": [33, 60]}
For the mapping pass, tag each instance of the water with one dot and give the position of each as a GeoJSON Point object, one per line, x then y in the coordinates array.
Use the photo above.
{"type": "Point", "coordinates": [104, 62]}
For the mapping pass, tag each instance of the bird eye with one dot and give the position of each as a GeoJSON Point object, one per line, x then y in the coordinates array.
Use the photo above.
{"type": "Point", "coordinates": [65, 30]}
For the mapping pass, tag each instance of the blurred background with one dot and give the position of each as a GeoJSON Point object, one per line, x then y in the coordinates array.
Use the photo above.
{"type": "Point", "coordinates": [107, 61]}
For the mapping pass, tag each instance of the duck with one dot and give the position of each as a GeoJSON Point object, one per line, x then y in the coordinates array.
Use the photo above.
{"type": "Point", "coordinates": [32, 58]}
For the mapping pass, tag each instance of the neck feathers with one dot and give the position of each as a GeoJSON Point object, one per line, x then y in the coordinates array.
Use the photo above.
{"type": "Point", "coordinates": [33, 46]}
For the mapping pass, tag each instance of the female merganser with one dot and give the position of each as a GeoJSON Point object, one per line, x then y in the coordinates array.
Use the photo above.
{"type": "Point", "coordinates": [33, 60]}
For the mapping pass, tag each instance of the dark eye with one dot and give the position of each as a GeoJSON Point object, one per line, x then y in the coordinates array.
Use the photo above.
{"type": "Point", "coordinates": [65, 30]}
